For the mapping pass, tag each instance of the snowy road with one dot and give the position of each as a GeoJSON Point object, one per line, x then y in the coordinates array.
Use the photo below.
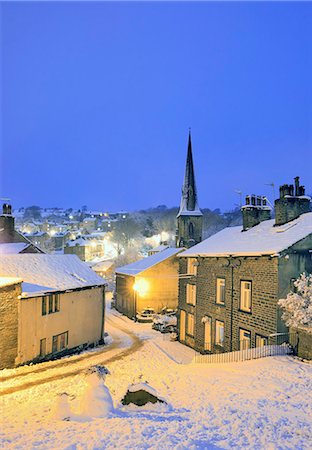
{"type": "Point", "coordinates": [125, 342]}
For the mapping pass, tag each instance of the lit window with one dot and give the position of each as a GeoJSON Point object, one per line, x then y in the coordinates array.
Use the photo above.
{"type": "Point", "coordinates": [192, 266]}
{"type": "Point", "coordinates": [244, 339]}
{"type": "Point", "coordinates": [220, 291]}
{"type": "Point", "coordinates": [245, 298]}
{"type": "Point", "coordinates": [261, 341]}
{"type": "Point", "coordinates": [191, 294]}
{"type": "Point", "coordinates": [190, 324]}
{"type": "Point", "coordinates": [219, 338]}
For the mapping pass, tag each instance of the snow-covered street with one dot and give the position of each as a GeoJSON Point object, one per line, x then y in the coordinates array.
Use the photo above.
{"type": "Point", "coordinates": [260, 404]}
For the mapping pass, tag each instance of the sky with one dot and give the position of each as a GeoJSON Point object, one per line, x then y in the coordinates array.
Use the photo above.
{"type": "Point", "coordinates": [97, 99]}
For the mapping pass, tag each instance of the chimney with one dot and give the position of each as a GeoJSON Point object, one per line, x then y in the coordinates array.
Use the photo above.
{"type": "Point", "coordinates": [291, 203]}
{"type": "Point", "coordinates": [6, 224]}
{"type": "Point", "coordinates": [255, 210]}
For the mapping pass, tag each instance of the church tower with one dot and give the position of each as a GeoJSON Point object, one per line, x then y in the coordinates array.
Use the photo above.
{"type": "Point", "coordinates": [190, 217]}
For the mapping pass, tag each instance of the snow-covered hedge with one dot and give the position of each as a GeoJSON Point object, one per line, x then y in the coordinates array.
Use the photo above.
{"type": "Point", "coordinates": [297, 306]}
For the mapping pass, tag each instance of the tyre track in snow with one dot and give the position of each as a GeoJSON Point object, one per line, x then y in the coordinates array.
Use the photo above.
{"type": "Point", "coordinates": [115, 328]}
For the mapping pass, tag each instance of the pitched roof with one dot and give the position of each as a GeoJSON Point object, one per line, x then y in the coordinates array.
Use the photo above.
{"type": "Point", "coordinates": [262, 239]}
{"type": "Point", "coordinates": [146, 263]}
{"type": "Point", "coordinates": [189, 201]}
{"type": "Point", "coordinates": [44, 273]}
{"type": "Point", "coordinates": [9, 281]}
{"type": "Point", "coordinates": [13, 248]}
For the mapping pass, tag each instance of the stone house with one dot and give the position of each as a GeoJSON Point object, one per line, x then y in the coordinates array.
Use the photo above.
{"type": "Point", "coordinates": [49, 305]}
{"type": "Point", "coordinates": [230, 283]}
{"type": "Point", "coordinates": [85, 248]}
{"type": "Point", "coordinates": [151, 282]}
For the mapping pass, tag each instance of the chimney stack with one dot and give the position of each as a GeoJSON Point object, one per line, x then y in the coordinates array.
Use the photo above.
{"type": "Point", "coordinates": [292, 203]}
{"type": "Point", "coordinates": [255, 210]}
{"type": "Point", "coordinates": [6, 224]}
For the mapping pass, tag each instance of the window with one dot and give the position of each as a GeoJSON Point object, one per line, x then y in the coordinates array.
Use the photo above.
{"type": "Point", "coordinates": [245, 299]}
{"type": "Point", "coordinates": [192, 266]}
{"type": "Point", "coordinates": [261, 341]}
{"type": "Point", "coordinates": [244, 339]}
{"type": "Point", "coordinates": [220, 291]}
{"type": "Point", "coordinates": [56, 302]}
{"type": "Point", "coordinates": [60, 342]}
{"type": "Point", "coordinates": [219, 338]}
{"type": "Point", "coordinates": [44, 306]}
{"type": "Point", "coordinates": [43, 347]}
{"type": "Point", "coordinates": [191, 230]}
{"type": "Point", "coordinates": [191, 294]}
{"type": "Point", "coordinates": [50, 304]}
{"type": "Point", "coordinates": [190, 324]}
{"type": "Point", "coordinates": [207, 333]}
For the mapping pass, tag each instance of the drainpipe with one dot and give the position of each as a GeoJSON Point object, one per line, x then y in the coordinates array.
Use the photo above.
{"type": "Point", "coordinates": [103, 314]}
{"type": "Point", "coordinates": [232, 264]}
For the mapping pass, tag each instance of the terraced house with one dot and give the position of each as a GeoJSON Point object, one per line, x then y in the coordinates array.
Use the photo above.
{"type": "Point", "coordinates": [230, 283]}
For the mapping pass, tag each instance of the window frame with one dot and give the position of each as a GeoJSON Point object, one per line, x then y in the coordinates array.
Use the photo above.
{"type": "Point", "coordinates": [56, 340]}
{"type": "Point", "coordinates": [244, 330]}
{"type": "Point", "coordinates": [191, 300]}
{"type": "Point", "coordinates": [188, 331]}
{"type": "Point", "coordinates": [249, 311]}
{"type": "Point", "coordinates": [217, 327]}
{"type": "Point", "coordinates": [41, 353]}
{"type": "Point", "coordinates": [218, 301]}
{"type": "Point", "coordinates": [192, 266]}
{"type": "Point", "coordinates": [260, 336]}
{"type": "Point", "coordinates": [44, 305]}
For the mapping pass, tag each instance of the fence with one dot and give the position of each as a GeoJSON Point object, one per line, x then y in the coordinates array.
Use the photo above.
{"type": "Point", "coordinates": [278, 344]}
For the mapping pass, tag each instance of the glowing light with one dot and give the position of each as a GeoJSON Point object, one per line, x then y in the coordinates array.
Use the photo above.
{"type": "Point", "coordinates": [52, 232]}
{"type": "Point", "coordinates": [141, 286]}
{"type": "Point", "coordinates": [93, 244]}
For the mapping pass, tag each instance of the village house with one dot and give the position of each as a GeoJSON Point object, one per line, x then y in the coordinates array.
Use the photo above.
{"type": "Point", "coordinates": [49, 305]}
{"type": "Point", "coordinates": [85, 247]}
{"type": "Point", "coordinates": [11, 241]}
{"type": "Point", "coordinates": [151, 282]}
{"type": "Point", "coordinates": [230, 283]}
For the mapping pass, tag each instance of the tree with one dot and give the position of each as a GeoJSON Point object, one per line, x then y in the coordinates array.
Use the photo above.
{"type": "Point", "coordinates": [32, 212]}
{"type": "Point", "coordinates": [297, 306]}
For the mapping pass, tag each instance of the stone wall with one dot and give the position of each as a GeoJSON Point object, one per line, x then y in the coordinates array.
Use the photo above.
{"type": "Point", "coordinates": [9, 325]}
{"type": "Point", "coordinates": [304, 342]}
{"type": "Point", "coordinates": [263, 318]}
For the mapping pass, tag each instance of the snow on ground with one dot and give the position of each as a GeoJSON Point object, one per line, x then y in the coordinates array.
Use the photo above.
{"type": "Point", "coordinates": [260, 404]}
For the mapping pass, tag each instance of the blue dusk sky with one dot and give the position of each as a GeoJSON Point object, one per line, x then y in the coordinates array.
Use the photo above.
{"type": "Point", "coordinates": [97, 99]}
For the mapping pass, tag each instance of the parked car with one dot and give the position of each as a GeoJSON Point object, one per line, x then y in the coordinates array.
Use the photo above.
{"type": "Point", "coordinates": [146, 316]}
{"type": "Point", "coordinates": [167, 328]}
{"type": "Point", "coordinates": [162, 322]}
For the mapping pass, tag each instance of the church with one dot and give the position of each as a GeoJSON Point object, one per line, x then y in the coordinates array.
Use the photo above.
{"type": "Point", "coordinates": [153, 281]}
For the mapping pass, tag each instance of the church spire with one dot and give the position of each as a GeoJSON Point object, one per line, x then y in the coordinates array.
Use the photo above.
{"type": "Point", "coordinates": [189, 202]}
{"type": "Point", "coordinates": [190, 217]}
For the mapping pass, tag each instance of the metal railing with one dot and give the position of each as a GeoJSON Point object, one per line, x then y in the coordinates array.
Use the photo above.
{"type": "Point", "coordinates": [277, 344]}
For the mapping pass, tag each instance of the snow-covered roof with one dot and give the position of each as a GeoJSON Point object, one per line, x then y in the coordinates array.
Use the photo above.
{"type": "Point", "coordinates": [262, 239]}
{"type": "Point", "coordinates": [146, 263]}
{"type": "Point", "coordinates": [102, 266]}
{"type": "Point", "coordinates": [81, 242]}
{"type": "Point", "coordinates": [9, 281]}
{"type": "Point", "coordinates": [43, 273]}
{"type": "Point", "coordinates": [13, 248]}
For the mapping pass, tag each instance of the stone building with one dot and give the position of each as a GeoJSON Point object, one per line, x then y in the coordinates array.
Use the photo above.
{"type": "Point", "coordinates": [230, 283]}
{"type": "Point", "coordinates": [151, 282]}
{"type": "Point", "coordinates": [49, 305]}
{"type": "Point", "coordinates": [190, 217]}
{"type": "Point", "coordinates": [85, 248]}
